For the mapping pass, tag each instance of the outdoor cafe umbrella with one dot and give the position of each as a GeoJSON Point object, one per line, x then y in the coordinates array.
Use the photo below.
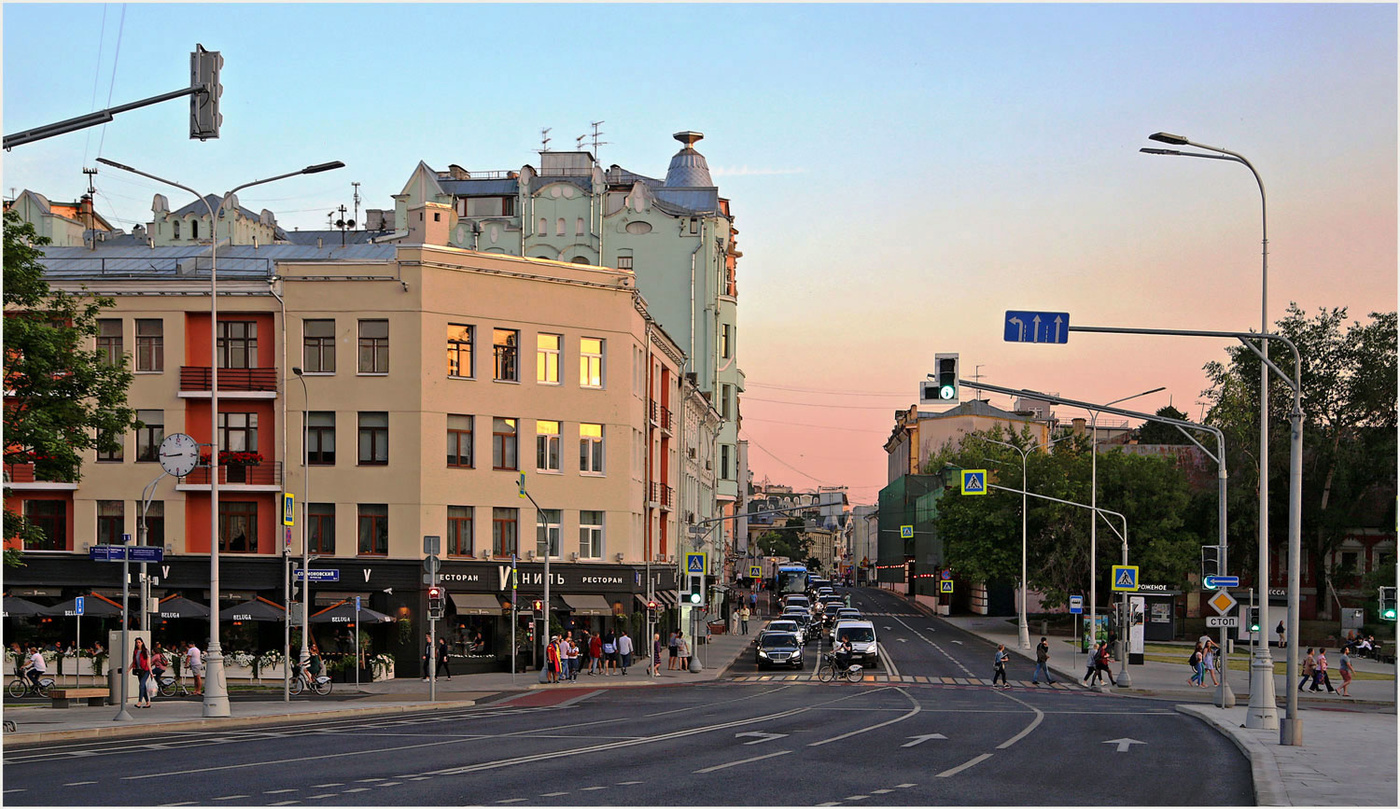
{"type": "Point", "coordinates": [258, 609]}
{"type": "Point", "coordinates": [344, 613]}
{"type": "Point", "coordinates": [16, 607]}
{"type": "Point", "coordinates": [94, 606]}
{"type": "Point", "coordinates": [181, 607]}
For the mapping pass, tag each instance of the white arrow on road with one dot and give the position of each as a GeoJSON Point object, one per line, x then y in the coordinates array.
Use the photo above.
{"type": "Point", "coordinates": [762, 737]}
{"type": "Point", "coordinates": [958, 642]}
{"type": "Point", "coordinates": [924, 738]}
{"type": "Point", "coordinates": [1124, 744]}
{"type": "Point", "coordinates": [901, 640]}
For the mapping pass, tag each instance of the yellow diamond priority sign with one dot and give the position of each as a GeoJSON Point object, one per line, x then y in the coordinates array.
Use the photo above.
{"type": "Point", "coordinates": [1222, 602]}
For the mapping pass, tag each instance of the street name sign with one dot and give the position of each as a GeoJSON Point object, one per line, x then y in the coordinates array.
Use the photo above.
{"type": "Point", "coordinates": [1227, 621]}
{"type": "Point", "coordinates": [1037, 327]}
{"type": "Point", "coordinates": [1125, 578]}
{"type": "Point", "coordinates": [120, 553]}
{"type": "Point", "coordinates": [1217, 582]}
{"type": "Point", "coordinates": [315, 574]}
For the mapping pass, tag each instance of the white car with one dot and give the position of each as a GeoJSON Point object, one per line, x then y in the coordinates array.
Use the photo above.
{"type": "Point", "coordinates": [781, 625]}
{"type": "Point", "coordinates": [864, 644]}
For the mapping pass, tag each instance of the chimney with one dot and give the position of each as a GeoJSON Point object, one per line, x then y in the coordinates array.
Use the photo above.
{"type": "Point", "coordinates": [1079, 424]}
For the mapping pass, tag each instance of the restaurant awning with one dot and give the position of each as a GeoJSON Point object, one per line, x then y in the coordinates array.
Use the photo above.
{"type": "Point", "coordinates": [476, 604]}
{"type": "Point", "coordinates": [326, 598]}
{"type": "Point", "coordinates": [344, 613]}
{"type": "Point", "coordinates": [181, 607]}
{"type": "Point", "coordinates": [257, 609]}
{"type": "Point", "coordinates": [19, 608]}
{"type": "Point", "coordinates": [666, 598]}
{"type": "Point", "coordinates": [588, 604]}
{"type": "Point", "coordinates": [94, 606]}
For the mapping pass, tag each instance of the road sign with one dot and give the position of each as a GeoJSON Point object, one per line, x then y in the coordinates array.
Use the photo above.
{"type": "Point", "coordinates": [432, 545]}
{"type": "Point", "coordinates": [119, 553]}
{"type": "Point", "coordinates": [1222, 602]}
{"type": "Point", "coordinates": [945, 587]}
{"type": "Point", "coordinates": [289, 511]}
{"type": "Point", "coordinates": [974, 481]}
{"type": "Point", "coordinates": [1037, 327]}
{"type": "Point", "coordinates": [1076, 605]}
{"type": "Point", "coordinates": [357, 603]}
{"type": "Point", "coordinates": [755, 571]}
{"type": "Point", "coordinates": [1125, 578]}
{"type": "Point", "coordinates": [146, 553]}
{"type": "Point", "coordinates": [699, 529]}
{"type": "Point", "coordinates": [695, 563]}
{"type": "Point", "coordinates": [431, 564]}
{"type": "Point", "coordinates": [318, 575]}
{"type": "Point", "coordinates": [1217, 582]}
{"type": "Point", "coordinates": [78, 605]}
{"type": "Point", "coordinates": [906, 532]}
{"type": "Point", "coordinates": [1227, 621]}
{"type": "Point", "coordinates": [945, 574]}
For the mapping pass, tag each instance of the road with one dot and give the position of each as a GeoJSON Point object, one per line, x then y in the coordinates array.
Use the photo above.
{"type": "Point", "coordinates": [736, 741]}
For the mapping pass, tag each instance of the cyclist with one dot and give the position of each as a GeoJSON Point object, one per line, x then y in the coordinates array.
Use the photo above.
{"type": "Point", "coordinates": [843, 653]}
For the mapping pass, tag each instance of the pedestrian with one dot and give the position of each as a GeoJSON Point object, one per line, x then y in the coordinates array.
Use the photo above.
{"type": "Point", "coordinates": [1309, 669]}
{"type": "Point", "coordinates": [999, 666]}
{"type": "Point", "coordinates": [655, 654]}
{"type": "Point", "coordinates": [1090, 669]}
{"type": "Point", "coordinates": [1347, 670]}
{"type": "Point", "coordinates": [442, 658]}
{"type": "Point", "coordinates": [1208, 664]}
{"type": "Point", "coordinates": [595, 654]}
{"type": "Point", "coordinates": [194, 659]}
{"type": "Point", "coordinates": [141, 666]}
{"type": "Point", "coordinates": [1198, 676]}
{"type": "Point", "coordinates": [682, 652]}
{"type": "Point", "coordinates": [1278, 630]}
{"type": "Point", "coordinates": [1321, 677]}
{"type": "Point", "coordinates": [753, 602]}
{"type": "Point", "coordinates": [624, 650]}
{"type": "Point", "coordinates": [1042, 663]}
{"type": "Point", "coordinates": [158, 667]}
{"type": "Point", "coordinates": [744, 619]}
{"type": "Point", "coordinates": [575, 660]}
{"type": "Point", "coordinates": [1102, 661]}
{"type": "Point", "coordinates": [429, 655]}
{"type": "Point", "coordinates": [672, 659]}
{"type": "Point", "coordinates": [609, 653]}
{"type": "Point", "coordinates": [552, 660]}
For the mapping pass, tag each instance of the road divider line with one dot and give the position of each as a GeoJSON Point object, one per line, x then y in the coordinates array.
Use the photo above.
{"type": "Point", "coordinates": [917, 708]}
{"type": "Point", "coordinates": [375, 752]}
{"type": "Point", "coordinates": [1039, 717]}
{"type": "Point", "coordinates": [887, 661]}
{"type": "Point", "coordinates": [744, 761]}
{"type": "Point", "coordinates": [971, 763]}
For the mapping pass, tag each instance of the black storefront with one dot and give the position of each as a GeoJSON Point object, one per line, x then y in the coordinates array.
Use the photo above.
{"type": "Point", "coordinates": [476, 620]}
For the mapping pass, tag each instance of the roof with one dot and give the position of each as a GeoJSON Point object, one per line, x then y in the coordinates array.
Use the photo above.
{"type": "Point", "coordinates": [193, 261]}
{"type": "Point", "coordinates": [481, 188]}
{"type": "Point", "coordinates": [214, 200]}
{"type": "Point", "coordinates": [327, 237]}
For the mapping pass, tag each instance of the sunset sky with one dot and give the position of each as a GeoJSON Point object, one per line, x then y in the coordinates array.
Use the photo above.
{"type": "Point", "coordinates": [900, 174]}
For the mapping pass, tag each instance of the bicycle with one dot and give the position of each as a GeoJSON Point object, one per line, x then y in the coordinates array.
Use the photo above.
{"type": "Point", "coordinates": [22, 686]}
{"type": "Point", "coordinates": [321, 684]}
{"type": "Point", "coordinates": [828, 671]}
{"type": "Point", "coordinates": [170, 685]}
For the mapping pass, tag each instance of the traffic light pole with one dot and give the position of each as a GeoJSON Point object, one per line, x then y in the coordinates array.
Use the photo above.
{"type": "Point", "coordinates": [539, 515]}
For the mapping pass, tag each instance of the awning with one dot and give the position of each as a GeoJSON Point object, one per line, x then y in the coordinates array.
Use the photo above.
{"type": "Point", "coordinates": [344, 613]}
{"type": "Point", "coordinates": [476, 604]}
{"type": "Point", "coordinates": [181, 607]}
{"type": "Point", "coordinates": [666, 598]}
{"type": "Point", "coordinates": [257, 609]}
{"type": "Point", "coordinates": [326, 598]}
{"type": "Point", "coordinates": [95, 605]}
{"type": "Point", "coordinates": [588, 605]}
{"type": "Point", "coordinates": [19, 608]}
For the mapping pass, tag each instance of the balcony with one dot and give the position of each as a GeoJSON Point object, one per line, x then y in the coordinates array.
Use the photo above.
{"type": "Point", "coordinates": [666, 421]}
{"type": "Point", "coordinates": [234, 383]}
{"type": "Point", "coordinates": [653, 495]}
{"type": "Point", "coordinates": [20, 477]}
{"type": "Point", "coordinates": [668, 498]}
{"type": "Point", "coordinates": [264, 477]}
{"type": "Point", "coordinates": [653, 410]}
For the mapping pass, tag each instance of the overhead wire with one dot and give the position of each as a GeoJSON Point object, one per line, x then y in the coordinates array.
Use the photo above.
{"type": "Point", "coordinates": [96, 76]}
{"type": "Point", "coordinates": [116, 56]}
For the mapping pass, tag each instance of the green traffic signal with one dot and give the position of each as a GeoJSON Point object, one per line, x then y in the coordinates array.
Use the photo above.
{"type": "Point", "coordinates": [1389, 614]}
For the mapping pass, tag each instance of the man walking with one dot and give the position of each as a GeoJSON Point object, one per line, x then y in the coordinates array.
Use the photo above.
{"type": "Point", "coordinates": [1042, 663]}
{"type": "Point", "coordinates": [999, 666]}
{"type": "Point", "coordinates": [1322, 678]}
{"type": "Point", "coordinates": [624, 650]}
{"type": "Point", "coordinates": [744, 619]}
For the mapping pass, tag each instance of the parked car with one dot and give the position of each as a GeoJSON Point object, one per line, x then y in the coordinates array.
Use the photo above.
{"type": "Point", "coordinates": [864, 644]}
{"type": "Point", "coordinates": [778, 648]}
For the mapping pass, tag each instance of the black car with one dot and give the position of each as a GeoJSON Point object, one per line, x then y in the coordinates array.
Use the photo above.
{"type": "Point", "coordinates": [778, 649]}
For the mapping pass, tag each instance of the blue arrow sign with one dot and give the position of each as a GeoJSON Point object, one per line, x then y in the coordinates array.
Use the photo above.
{"type": "Point", "coordinates": [1216, 582]}
{"type": "Point", "coordinates": [1036, 327]}
{"type": "Point", "coordinates": [78, 605]}
{"type": "Point", "coordinates": [357, 603]}
{"type": "Point", "coordinates": [318, 575]}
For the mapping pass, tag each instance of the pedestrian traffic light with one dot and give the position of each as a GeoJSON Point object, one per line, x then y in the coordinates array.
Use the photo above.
{"type": "Point", "coordinates": [537, 606]}
{"type": "Point", "coordinates": [653, 606]}
{"type": "Point", "coordinates": [1387, 598]}
{"type": "Point", "coordinates": [434, 603]}
{"type": "Point", "coordinates": [1210, 563]}
{"type": "Point", "coordinates": [1253, 619]}
{"type": "Point", "coordinates": [204, 103]}
{"type": "Point", "coordinates": [946, 375]}
{"type": "Point", "coordinates": [695, 589]}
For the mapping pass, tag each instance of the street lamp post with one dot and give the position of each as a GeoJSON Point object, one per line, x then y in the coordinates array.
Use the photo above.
{"type": "Point", "coordinates": [216, 702]}
{"type": "Point", "coordinates": [304, 658]}
{"type": "Point", "coordinates": [1023, 629]}
{"type": "Point", "coordinates": [1263, 712]}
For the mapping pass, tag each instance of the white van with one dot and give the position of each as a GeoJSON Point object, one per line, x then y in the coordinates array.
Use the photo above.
{"type": "Point", "coordinates": [864, 644]}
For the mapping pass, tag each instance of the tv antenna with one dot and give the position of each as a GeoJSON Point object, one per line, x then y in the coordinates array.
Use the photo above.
{"type": "Point", "coordinates": [357, 202]}
{"type": "Point", "coordinates": [544, 139]}
{"type": "Point", "coordinates": [596, 142]}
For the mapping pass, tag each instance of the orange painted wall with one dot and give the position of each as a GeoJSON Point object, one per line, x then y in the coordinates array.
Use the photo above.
{"type": "Point", "coordinates": [197, 519]}
{"type": "Point", "coordinates": [16, 504]}
{"type": "Point", "coordinates": [197, 421]}
{"type": "Point", "coordinates": [197, 336]}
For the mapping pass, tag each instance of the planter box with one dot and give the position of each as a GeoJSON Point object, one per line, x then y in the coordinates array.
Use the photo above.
{"type": "Point", "coordinates": [387, 674]}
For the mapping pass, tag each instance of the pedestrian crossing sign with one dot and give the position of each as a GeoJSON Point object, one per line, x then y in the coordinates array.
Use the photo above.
{"type": "Point", "coordinates": [974, 481]}
{"type": "Point", "coordinates": [945, 586]}
{"type": "Point", "coordinates": [906, 532]}
{"type": "Point", "coordinates": [695, 563]}
{"type": "Point", "coordinates": [1125, 578]}
{"type": "Point", "coordinates": [755, 572]}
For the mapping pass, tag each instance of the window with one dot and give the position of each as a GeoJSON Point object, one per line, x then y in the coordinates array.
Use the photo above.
{"type": "Point", "coordinates": [459, 441]}
{"type": "Point", "coordinates": [155, 522]}
{"type": "Point", "coordinates": [590, 363]}
{"type": "Point", "coordinates": [459, 350]}
{"type": "Point", "coordinates": [149, 434]}
{"type": "Point", "coordinates": [238, 527]}
{"type": "Point", "coordinates": [578, 226]}
{"type": "Point", "coordinates": [559, 227]}
{"type": "Point", "coordinates": [238, 432]}
{"type": "Point", "coordinates": [176, 225]}
{"type": "Point", "coordinates": [374, 346]}
{"type": "Point", "coordinates": [374, 529]}
{"type": "Point", "coordinates": [504, 522]}
{"type": "Point", "coordinates": [725, 347]}
{"type": "Point", "coordinates": [194, 229]}
{"type": "Point", "coordinates": [320, 527]}
{"type": "Point", "coordinates": [590, 449]}
{"type": "Point", "coordinates": [694, 227]}
{"type": "Point", "coordinates": [51, 518]}
{"type": "Point", "coordinates": [624, 262]}
{"type": "Point", "coordinates": [506, 343]}
{"type": "Point", "coordinates": [590, 534]}
{"type": "Point", "coordinates": [547, 446]}
{"type": "Point", "coordinates": [320, 438]}
{"type": "Point", "coordinates": [374, 439]}
{"type": "Point", "coordinates": [150, 345]}
{"type": "Point", "coordinates": [114, 454]}
{"type": "Point", "coordinates": [111, 520]}
{"type": "Point", "coordinates": [547, 532]}
{"type": "Point", "coordinates": [318, 346]}
{"type": "Point", "coordinates": [238, 344]}
{"type": "Point", "coordinates": [726, 392]}
{"type": "Point", "coordinates": [459, 530]}
{"type": "Point", "coordinates": [109, 341]}
{"type": "Point", "coordinates": [724, 462]}
{"type": "Point", "coordinates": [547, 359]}
{"type": "Point", "coordinates": [542, 228]}
{"type": "Point", "coordinates": [503, 444]}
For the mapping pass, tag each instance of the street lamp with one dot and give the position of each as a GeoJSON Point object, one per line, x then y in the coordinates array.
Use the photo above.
{"type": "Point", "coordinates": [215, 687]}
{"type": "Point", "coordinates": [1263, 712]}
{"type": "Point", "coordinates": [305, 657]}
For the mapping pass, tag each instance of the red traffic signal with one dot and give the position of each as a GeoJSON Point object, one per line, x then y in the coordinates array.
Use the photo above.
{"type": "Point", "coordinates": [652, 605]}
{"type": "Point", "coordinates": [434, 592]}
{"type": "Point", "coordinates": [538, 605]}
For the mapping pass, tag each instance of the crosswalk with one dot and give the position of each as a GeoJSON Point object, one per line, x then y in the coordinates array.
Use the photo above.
{"type": "Point", "coordinates": [907, 679]}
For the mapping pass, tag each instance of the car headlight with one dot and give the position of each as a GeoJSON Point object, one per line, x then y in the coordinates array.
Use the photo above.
{"type": "Point", "coordinates": [762, 653]}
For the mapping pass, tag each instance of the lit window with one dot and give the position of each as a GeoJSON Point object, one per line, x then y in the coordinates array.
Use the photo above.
{"type": "Point", "coordinates": [547, 359]}
{"type": "Point", "coordinates": [506, 345]}
{"type": "Point", "coordinates": [590, 366]}
{"type": "Point", "coordinates": [547, 446]}
{"type": "Point", "coordinates": [459, 350]}
{"type": "Point", "coordinates": [590, 448]}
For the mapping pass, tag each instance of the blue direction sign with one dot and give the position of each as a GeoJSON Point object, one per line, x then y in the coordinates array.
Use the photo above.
{"type": "Point", "coordinates": [318, 575]}
{"type": "Point", "coordinates": [1076, 605]}
{"type": "Point", "coordinates": [78, 605]}
{"type": "Point", "coordinates": [106, 553]}
{"type": "Point", "coordinates": [1216, 582]}
{"type": "Point", "coordinates": [1037, 327]}
{"type": "Point", "coordinates": [120, 553]}
{"type": "Point", "coordinates": [146, 553]}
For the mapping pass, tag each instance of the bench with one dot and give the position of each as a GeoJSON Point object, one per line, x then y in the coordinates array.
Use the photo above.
{"type": "Point", "coordinates": [65, 697]}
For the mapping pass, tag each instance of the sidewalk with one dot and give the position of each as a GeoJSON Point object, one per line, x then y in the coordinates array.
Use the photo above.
{"type": "Point", "coordinates": [36, 722]}
{"type": "Point", "coordinates": [1348, 755]}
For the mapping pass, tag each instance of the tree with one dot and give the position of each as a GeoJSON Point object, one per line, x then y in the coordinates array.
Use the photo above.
{"type": "Point", "coordinates": [62, 396]}
{"type": "Point", "coordinates": [1155, 432]}
{"type": "Point", "coordinates": [787, 540]}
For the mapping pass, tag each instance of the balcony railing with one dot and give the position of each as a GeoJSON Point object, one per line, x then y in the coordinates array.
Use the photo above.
{"type": "Point", "coordinates": [19, 473]}
{"type": "Point", "coordinates": [263, 474]}
{"type": "Point", "coordinates": [666, 420]}
{"type": "Point", "coordinates": [197, 378]}
{"type": "Point", "coordinates": [653, 410]}
{"type": "Point", "coordinates": [668, 497]}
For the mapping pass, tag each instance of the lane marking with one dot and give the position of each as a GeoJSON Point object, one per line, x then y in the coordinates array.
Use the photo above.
{"type": "Point", "coordinates": [629, 783]}
{"type": "Point", "coordinates": [880, 791]}
{"type": "Point", "coordinates": [389, 784]}
{"type": "Point", "coordinates": [356, 789]}
{"type": "Point", "coordinates": [857, 797]}
{"type": "Point", "coordinates": [80, 783]}
{"type": "Point", "coordinates": [367, 780]}
{"type": "Point", "coordinates": [293, 761]}
{"type": "Point", "coordinates": [590, 789]}
{"type": "Point", "coordinates": [21, 789]}
{"type": "Point", "coordinates": [904, 786]}
{"type": "Point", "coordinates": [278, 791]}
{"type": "Point", "coordinates": [552, 794]}
{"type": "Point", "coordinates": [229, 797]}
{"type": "Point", "coordinates": [325, 786]}
{"type": "Point", "coordinates": [312, 798]}
{"type": "Point", "coordinates": [744, 761]}
{"type": "Point", "coordinates": [282, 803]}
{"type": "Point", "coordinates": [917, 709]}
{"type": "Point", "coordinates": [511, 800]}
{"type": "Point", "coordinates": [972, 763]}
{"type": "Point", "coordinates": [1039, 717]}
{"type": "Point", "coordinates": [887, 661]}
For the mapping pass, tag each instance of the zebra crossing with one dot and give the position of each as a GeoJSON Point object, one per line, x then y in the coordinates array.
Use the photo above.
{"type": "Point", "coordinates": [904, 679]}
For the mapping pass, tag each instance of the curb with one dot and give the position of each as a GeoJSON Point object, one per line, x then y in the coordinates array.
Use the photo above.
{"type": "Point", "coordinates": [127, 731]}
{"type": "Point", "coordinates": [1261, 762]}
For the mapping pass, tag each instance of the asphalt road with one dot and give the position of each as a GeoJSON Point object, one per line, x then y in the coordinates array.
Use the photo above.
{"type": "Point", "coordinates": [730, 742]}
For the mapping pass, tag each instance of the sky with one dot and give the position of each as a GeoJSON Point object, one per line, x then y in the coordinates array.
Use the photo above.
{"type": "Point", "coordinates": [901, 175]}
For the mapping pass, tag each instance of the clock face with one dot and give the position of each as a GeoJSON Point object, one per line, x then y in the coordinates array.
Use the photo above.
{"type": "Point", "coordinates": [179, 454]}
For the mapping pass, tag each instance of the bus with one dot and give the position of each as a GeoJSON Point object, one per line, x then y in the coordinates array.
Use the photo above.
{"type": "Point", "coordinates": [791, 580]}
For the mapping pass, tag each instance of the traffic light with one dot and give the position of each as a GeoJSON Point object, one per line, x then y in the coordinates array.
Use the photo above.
{"type": "Point", "coordinates": [204, 106]}
{"type": "Point", "coordinates": [538, 606]}
{"type": "Point", "coordinates": [1387, 598]}
{"type": "Point", "coordinates": [653, 606]}
{"type": "Point", "coordinates": [695, 589]}
{"type": "Point", "coordinates": [434, 603]}
{"type": "Point", "coordinates": [1210, 563]}
{"type": "Point", "coordinates": [1253, 619]}
{"type": "Point", "coordinates": [946, 375]}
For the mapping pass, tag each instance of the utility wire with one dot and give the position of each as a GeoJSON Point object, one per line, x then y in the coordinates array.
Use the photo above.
{"type": "Point", "coordinates": [121, 26]}
{"type": "Point", "coordinates": [96, 75]}
{"type": "Point", "coordinates": [816, 404]}
{"type": "Point", "coordinates": [770, 454]}
{"type": "Point", "coordinates": [822, 390]}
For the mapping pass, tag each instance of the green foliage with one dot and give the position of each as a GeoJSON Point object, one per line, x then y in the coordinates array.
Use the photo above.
{"type": "Point", "coordinates": [66, 398]}
{"type": "Point", "coordinates": [787, 540]}
{"type": "Point", "coordinates": [1155, 432]}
